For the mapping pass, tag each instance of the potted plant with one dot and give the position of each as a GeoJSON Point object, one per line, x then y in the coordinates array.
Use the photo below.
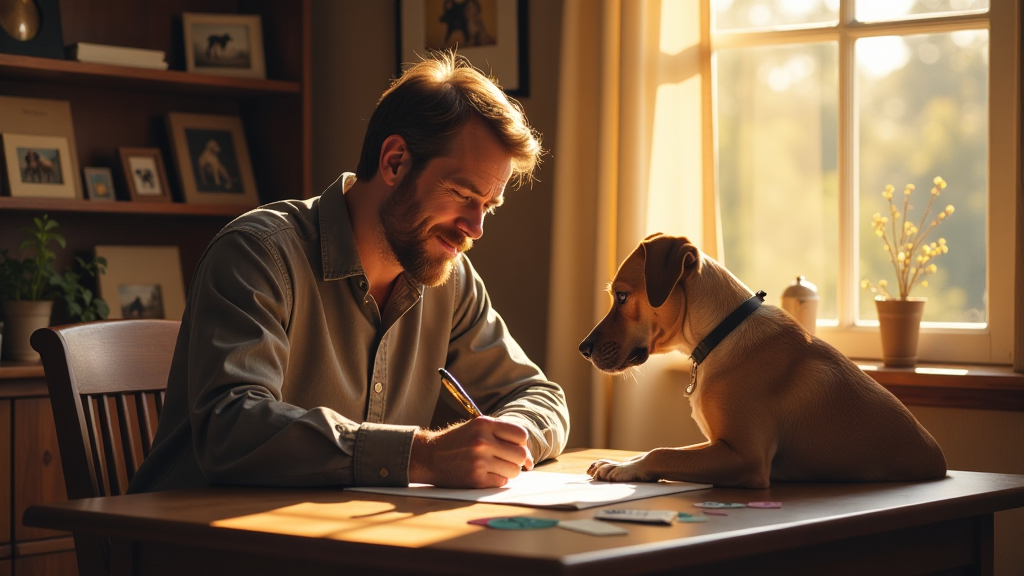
{"type": "Point", "coordinates": [29, 285]}
{"type": "Point", "coordinates": [899, 318]}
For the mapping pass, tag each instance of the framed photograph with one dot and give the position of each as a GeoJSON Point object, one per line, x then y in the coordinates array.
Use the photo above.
{"type": "Point", "coordinates": [212, 159]}
{"type": "Point", "coordinates": [144, 172]}
{"type": "Point", "coordinates": [38, 166]}
{"type": "Point", "coordinates": [99, 183]}
{"type": "Point", "coordinates": [31, 29]}
{"type": "Point", "coordinates": [492, 34]}
{"type": "Point", "coordinates": [142, 282]}
{"type": "Point", "coordinates": [41, 117]}
{"type": "Point", "coordinates": [223, 44]}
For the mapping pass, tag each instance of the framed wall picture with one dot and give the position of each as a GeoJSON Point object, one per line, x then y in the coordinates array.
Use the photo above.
{"type": "Point", "coordinates": [38, 166]}
{"type": "Point", "coordinates": [41, 117]}
{"type": "Point", "coordinates": [99, 183]}
{"type": "Point", "coordinates": [145, 174]}
{"type": "Point", "coordinates": [492, 34]}
{"type": "Point", "coordinates": [223, 44]}
{"type": "Point", "coordinates": [31, 28]}
{"type": "Point", "coordinates": [212, 159]}
{"type": "Point", "coordinates": [142, 281]}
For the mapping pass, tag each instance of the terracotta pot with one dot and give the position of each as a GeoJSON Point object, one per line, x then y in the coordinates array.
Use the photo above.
{"type": "Point", "coordinates": [21, 319]}
{"type": "Point", "coordinates": [899, 322]}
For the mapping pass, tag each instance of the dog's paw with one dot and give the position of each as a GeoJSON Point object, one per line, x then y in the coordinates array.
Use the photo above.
{"type": "Point", "coordinates": [612, 471]}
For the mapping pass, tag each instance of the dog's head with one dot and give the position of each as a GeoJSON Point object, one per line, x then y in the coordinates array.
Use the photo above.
{"type": "Point", "coordinates": [212, 146]}
{"type": "Point", "coordinates": [647, 304]}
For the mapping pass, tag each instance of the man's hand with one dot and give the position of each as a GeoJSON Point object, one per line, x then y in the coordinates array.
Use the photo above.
{"type": "Point", "coordinates": [480, 453]}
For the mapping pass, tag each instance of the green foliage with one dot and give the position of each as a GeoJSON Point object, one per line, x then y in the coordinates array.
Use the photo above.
{"type": "Point", "coordinates": [33, 277]}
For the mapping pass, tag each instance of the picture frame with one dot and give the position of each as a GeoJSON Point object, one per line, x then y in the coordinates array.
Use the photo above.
{"type": "Point", "coordinates": [142, 281]}
{"type": "Point", "coordinates": [145, 175]}
{"type": "Point", "coordinates": [41, 117]}
{"type": "Point", "coordinates": [212, 159]}
{"type": "Point", "coordinates": [38, 33]}
{"type": "Point", "coordinates": [38, 166]}
{"type": "Point", "coordinates": [99, 183]}
{"type": "Point", "coordinates": [224, 44]}
{"type": "Point", "coordinates": [492, 34]}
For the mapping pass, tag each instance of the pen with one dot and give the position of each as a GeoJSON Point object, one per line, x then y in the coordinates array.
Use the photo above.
{"type": "Point", "coordinates": [456, 389]}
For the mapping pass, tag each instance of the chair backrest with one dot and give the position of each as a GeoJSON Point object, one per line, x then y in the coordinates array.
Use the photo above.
{"type": "Point", "coordinates": [106, 382]}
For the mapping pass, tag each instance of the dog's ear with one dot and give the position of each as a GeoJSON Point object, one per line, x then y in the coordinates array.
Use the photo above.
{"type": "Point", "coordinates": [666, 260]}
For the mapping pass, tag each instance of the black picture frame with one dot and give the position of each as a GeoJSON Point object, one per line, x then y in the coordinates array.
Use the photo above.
{"type": "Point", "coordinates": [406, 53]}
{"type": "Point", "coordinates": [47, 43]}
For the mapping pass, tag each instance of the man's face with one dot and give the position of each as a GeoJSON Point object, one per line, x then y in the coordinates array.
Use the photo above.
{"type": "Point", "coordinates": [433, 215]}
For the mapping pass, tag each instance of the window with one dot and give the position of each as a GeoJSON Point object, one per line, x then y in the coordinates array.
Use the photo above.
{"type": "Point", "coordinates": [818, 105]}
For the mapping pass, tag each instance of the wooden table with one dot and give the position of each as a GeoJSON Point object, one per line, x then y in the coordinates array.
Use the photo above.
{"type": "Point", "coordinates": [943, 525]}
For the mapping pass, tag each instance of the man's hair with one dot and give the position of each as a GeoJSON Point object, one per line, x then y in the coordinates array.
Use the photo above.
{"type": "Point", "coordinates": [432, 101]}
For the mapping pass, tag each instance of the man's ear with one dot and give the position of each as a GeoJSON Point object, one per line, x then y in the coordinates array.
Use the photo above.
{"type": "Point", "coordinates": [395, 160]}
{"type": "Point", "coordinates": [667, 260]}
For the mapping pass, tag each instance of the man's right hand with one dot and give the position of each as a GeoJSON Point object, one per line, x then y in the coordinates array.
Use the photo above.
{"type": "Point", "coordinates": [480, 453]}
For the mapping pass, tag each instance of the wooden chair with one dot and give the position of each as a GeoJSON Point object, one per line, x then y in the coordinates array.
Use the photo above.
{"type": "Point", "coordinates": [106, 381]}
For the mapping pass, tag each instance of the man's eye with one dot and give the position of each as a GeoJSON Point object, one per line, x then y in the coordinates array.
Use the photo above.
{"type": "Point", "coordinates": [620, 297]}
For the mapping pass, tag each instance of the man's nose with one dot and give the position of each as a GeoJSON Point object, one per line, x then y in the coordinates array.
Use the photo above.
{"type": "Point", "coordinates": [472, 224]}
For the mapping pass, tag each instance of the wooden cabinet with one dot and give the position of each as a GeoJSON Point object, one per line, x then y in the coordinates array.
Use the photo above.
{"type": "Point", "coordinates": [115, 106]}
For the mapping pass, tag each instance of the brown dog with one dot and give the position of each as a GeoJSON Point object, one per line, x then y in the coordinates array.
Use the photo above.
{"type": "Point", "coordinates": [774, 402]}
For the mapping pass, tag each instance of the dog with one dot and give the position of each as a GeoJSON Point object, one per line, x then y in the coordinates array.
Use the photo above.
{"type": "Point", "coordinates": [211, 168]}
{"type": "Point", "coordinates": [145, 177]}
{"type": "Point", "coordinates": [217, 43]}
{"type": "Point", "coordinates": [774, 402]}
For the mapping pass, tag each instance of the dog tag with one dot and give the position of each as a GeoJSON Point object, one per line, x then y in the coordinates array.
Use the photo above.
{"type": "Point", "coordinates": [633, 515]}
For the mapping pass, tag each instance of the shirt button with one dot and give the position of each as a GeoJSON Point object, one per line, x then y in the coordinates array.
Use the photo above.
{"type": "Point", "coordinates": [378, 387]}
{"type": "Point", "coordinates": [339, 428]}
{"type": "Point", "coordinates": [383, 472]}
{"type": "Point", "coordinates": [362, 284]}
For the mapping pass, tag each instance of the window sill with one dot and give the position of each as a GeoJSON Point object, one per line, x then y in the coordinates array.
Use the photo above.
{"type": "Point", "coordinates": [951, 386]}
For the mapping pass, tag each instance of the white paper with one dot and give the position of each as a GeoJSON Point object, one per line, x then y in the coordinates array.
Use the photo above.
{"type": "Point", "coordinates": [546, 490]}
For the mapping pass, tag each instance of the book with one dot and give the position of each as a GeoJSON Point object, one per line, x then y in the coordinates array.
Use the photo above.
{"type": "Point", "coordinates": [107, 54]}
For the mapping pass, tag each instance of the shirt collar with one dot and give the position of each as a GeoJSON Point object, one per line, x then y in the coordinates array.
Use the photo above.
{"type": "Point", "coordinates": [337, 242]}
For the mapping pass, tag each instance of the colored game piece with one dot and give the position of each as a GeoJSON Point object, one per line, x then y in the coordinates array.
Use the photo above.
{"type": "Point", "coordinates": [521, 523]}
{"type": "Point", "coordinates": [691, 518]}
{"type": "Point", "coordinates": [635, 515]}
{"type": "Point", "coordinates": [720, 505]}
{"type": "Point", "coordinates": [764, 504]}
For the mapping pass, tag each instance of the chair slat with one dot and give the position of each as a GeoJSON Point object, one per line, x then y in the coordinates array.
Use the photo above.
{"type": "Point", "coordinates": [145, 422]}
{"type": "Point", "coordinates": [124, 425]}
{"type": "Point", "coordinates": [99, 483]}
{"type": "Point", "coordinates": [107, 433]}
{"type": "Point", "coordinates": [160, 396]}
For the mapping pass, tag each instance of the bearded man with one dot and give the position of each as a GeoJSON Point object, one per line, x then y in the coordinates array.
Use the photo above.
{"type": "Point", "coordinates": [313, 333]}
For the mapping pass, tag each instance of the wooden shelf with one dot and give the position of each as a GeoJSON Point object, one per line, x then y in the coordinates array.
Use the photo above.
{"type": "Point", "coordinates": [120, 207]}
{"type": "Point", "coordinates": [951, 386]}
{"type": "Point", "coordinates": [73, 73]}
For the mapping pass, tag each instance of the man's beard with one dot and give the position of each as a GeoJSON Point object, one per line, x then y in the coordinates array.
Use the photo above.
{"type": "Point", "coordinates": [405, 230]}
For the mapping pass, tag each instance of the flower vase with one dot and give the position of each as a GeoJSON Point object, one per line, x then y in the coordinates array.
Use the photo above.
{"type": "Point", "coordinates": [899, 322]}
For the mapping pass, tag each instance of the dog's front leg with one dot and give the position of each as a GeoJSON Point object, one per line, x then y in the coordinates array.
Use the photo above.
{"type": "Point", "coordinates": [718, 463]}
{"type": "Point", "coordinates": [631, 470]}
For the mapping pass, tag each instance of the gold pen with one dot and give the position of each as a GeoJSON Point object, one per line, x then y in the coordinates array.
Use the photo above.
{"type": "Point", "coordinates": [455, 388]}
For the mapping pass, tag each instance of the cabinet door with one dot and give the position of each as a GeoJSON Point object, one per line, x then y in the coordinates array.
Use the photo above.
{"type": "Point", "coordinates": [5, 477]}
{"type": "Point", "coordinates": [62, 563]}
{"type": "Point", "coordinates": [38, 478]}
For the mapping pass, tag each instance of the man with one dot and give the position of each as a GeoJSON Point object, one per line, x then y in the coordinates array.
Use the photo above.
{"type": "Point", "coordinates": [309, 348]}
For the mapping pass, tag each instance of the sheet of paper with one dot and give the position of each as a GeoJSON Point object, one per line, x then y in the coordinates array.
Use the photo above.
{"type": "Point", "coordinates": [546, 490]}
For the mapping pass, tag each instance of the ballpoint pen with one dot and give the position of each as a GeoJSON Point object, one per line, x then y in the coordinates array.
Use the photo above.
{"type": "Point", "coordinates": [456, 389]}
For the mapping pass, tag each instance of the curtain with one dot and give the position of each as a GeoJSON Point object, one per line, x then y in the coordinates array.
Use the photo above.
{"type": "Point", "coordinates": [628, 162]}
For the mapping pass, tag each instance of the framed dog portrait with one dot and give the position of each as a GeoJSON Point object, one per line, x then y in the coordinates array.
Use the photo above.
{"type": "Point", "coordinates": [492, 34]}
{"type": "Point", "coordinates": [212, 159]}
{"type": "Point", "coordinates": [142, 281]}
{"type": "Point", "coordinates": [224, 44]}
{"type": "Point", "coordinates": [145, 175]}
{"type": "Point", "coordinates": [99, 183]}
{"type": "Point", "coordinates": [38, 166]}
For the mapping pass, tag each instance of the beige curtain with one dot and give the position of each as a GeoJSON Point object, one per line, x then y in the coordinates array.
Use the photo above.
{"type": "Point", "coordinates": [616, 76]}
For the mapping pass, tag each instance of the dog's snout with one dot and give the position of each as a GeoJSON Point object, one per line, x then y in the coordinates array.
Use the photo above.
{"type": "Point", "coordinates": [586, 348]}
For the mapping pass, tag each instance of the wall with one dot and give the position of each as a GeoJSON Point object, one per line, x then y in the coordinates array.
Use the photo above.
{"type": "Point", "coordinates": [354, 62]}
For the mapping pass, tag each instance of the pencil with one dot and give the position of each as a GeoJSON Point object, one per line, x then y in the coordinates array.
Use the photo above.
{"type": "Point", "coordinates": [456, 389]}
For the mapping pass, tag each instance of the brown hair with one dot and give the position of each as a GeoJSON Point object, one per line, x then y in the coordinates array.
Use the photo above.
{"type": "Point", "coordinates": [432, 101]}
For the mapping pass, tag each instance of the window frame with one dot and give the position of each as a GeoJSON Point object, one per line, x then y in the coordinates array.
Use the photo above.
{"type": "Point", "coordinates": [994, 342]}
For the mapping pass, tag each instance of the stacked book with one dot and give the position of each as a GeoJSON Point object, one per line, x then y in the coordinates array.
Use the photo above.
{"type": "Point", "coordinates": [117, 55]}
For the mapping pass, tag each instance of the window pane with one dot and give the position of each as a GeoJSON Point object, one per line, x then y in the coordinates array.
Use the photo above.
{"type": "Point", "coordinates": [923, 112]}
{"type": "Point", "coordinates": [878, 10]}
{"type": "Point", "coordinates": [734, 15]}
{"type": "Point", "coordinates": [777, 157]}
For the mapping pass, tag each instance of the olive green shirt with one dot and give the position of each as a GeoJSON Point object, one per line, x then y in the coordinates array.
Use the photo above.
{"type": "Point", "coordinates": [285, 373]}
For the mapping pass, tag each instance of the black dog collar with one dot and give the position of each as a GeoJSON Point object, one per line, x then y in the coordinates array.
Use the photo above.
{"type": "Point", "coordinates": [720, 332]}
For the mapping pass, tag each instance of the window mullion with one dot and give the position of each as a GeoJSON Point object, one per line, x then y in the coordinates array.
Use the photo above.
{"type": "Point", "coordinates": [847, 146]}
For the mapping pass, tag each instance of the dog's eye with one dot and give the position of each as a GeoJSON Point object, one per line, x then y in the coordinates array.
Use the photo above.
{"type": "Point", "coordinates": [620, 297]}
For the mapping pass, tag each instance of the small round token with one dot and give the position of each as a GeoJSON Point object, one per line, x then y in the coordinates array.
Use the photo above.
{"type": "Point", "coordinates": [764, 504]}
{"type": "Point", "coordinates": [713, 513]}
{"type": "Point", "coordinates": [719, 505]}
{"type": "Point", "coordinates": [521, 523]}
{"type": "Point", "coordinates": [691, 518]}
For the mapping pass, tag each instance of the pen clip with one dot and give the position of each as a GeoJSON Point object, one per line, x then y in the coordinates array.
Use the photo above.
{"type": "Point", "coordinates": [458, 392]}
